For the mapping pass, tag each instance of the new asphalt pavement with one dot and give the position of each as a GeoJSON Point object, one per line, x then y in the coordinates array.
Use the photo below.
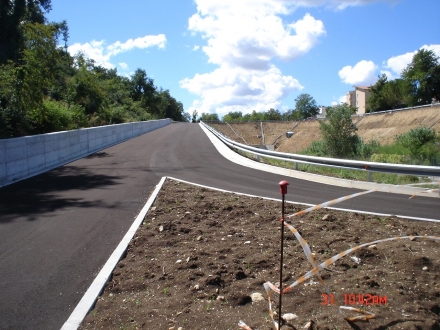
{"type": "Point", "coordinates": [58, 229]}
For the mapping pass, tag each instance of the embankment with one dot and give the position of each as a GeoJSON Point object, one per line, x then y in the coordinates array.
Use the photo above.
{"type": "Point", "coordinates": [383, 127]}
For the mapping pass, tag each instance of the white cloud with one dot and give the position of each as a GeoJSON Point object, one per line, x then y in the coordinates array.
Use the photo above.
{"type": "Point", "coordinates": [196, 47]}
{"type": "Point", "coordinates": [239, 89]}
{"type": "Point", "coordinates": [397, 63]}
{"type": "Point", "coordinates": [100, 53]}
{"type": "Point", "coordinates": [123, 65]}
{"type": "Point", "coordinates": [141, 43]}
{"type": "Point", "coordinates": [363, 73]}
{"type": "Point", "coordinates": [341, 99]}
{"type": "Point", "coordinates": [242, 38]}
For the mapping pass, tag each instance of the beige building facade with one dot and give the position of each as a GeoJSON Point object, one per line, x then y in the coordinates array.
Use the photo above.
{"type": "Point", "coordinates": [358, 98]}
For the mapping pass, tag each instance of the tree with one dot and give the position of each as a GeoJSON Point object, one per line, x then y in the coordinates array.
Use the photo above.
{"type": "Point", "coordinates": [233, 116]}
{"type": "Point", "coordinates": [194, 116]}
{"type": "Point", "coordinates": [143, 88]}
{"type": "Point", "coordinates": [339, 132]}
{"type": "Point", "coordinates": [306, 106]}
{"type": "Point", "coordinates": [209, 117]}
{"type": "Point", "coordinates": [13, 14]}
{"type": "Point", "coordinates": [272, 114]}
{"type": "Point", "coordinates": [387, 95]}
{"type": "Point", "coordinates": [423, 76]}
{"type": "Point", "coordinates": [291, 114]}
{"type": "Point", "coordinates": [22, 93]}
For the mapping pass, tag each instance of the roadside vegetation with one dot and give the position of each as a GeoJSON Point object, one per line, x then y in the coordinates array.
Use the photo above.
{"type": "Point", "coordinates": [45, 89]}
{"type": "Point", "coordinates": [420, 146]}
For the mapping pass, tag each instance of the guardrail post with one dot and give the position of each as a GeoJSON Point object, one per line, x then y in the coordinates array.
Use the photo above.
{"type": "Point", "coordinates": [295, 166]}
{"type": "Point", "coordinates": [257, 157]}
{"type": "Point", "coordinates": [369, 173]}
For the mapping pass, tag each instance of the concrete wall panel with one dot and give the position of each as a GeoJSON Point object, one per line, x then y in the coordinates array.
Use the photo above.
{"type": "Point", "coordinates": [38, 163]}
{"type": "Point", "coordinates": [16, 169]}
{"type": "Point", "coordinates": [31, 155]}
{"type": "Point", "coordinates": [15, 149]}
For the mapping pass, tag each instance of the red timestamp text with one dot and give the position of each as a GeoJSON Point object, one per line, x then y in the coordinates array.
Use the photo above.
{"type": "Point", "coordinates": [355, 299]}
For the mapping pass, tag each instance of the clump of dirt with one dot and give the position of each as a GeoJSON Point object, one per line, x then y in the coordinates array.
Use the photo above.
{"type": "Point", "coordinates": [201, 255]}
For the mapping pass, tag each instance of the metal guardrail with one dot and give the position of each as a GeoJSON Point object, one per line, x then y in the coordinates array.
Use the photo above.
{"type": "Point", "coordinates": [330, 162]}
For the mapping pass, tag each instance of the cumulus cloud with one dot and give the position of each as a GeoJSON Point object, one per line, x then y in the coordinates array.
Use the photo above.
{"type": "Point", "coordinates": [341, 99]}
{"type": "Point", "coordinates": [101, 53]}
{"type": "Point", "coordinates": [397, 63]}
{"type": "Point", "coordinates": [242, 38]}
{"type": "Point", "coordinates": [239, 89]}
{"type": "Point", "coordinates": [196, 47]}
{"type": "Point", "coordinates": [363, 73]}
{"type": "Point", "coordinates": [123, 65]}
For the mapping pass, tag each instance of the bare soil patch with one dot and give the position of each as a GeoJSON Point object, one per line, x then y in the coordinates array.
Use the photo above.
{"type": "Point", "coordinates": [200, 254]}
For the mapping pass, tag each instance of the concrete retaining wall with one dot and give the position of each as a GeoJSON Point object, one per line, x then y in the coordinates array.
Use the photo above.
{"type": "Point", "coordinates": [27, 156]}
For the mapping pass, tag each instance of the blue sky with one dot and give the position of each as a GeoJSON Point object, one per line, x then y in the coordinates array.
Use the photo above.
{"type": "Point", "coordinates": [241, 55]}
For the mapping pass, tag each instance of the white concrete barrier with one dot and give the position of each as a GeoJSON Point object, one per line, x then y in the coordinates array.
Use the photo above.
{"type": "Point", "coordinates": [27, 156]}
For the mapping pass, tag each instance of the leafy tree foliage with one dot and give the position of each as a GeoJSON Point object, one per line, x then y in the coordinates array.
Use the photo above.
{"type": "Point", "coordinates": [305, 106]}
{"type": "Point", "coordinates": [422, 142]}
{"type": "Point", "coordinates": [233, 116]}
{"type": "Point", "coordinates": [420, 83]}
{"type": "Point", "coordinates": [44, 89]}
{"type": "Point", "coordinates": [237, 116]}
{"type": "Point", "coordinates": [13, 14]}
{"type": "Point", "coordinates": [386, 95]}
{"type": "Point", "coordinates": [194, 116]}
{"type": "Point", "coordinates": [339, 132]}
{"type": "Point", "coordinates": [209, 117]}
{"type": "Point", "coordinates": [423, 76]}
{"type": "Point", "coordinates": [292, 114]}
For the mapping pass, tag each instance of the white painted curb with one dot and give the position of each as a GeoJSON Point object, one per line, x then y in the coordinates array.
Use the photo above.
{"type": "Point", "coordinates": [89, 298]}
{"type": "Point", "coordinates": [241, 160]}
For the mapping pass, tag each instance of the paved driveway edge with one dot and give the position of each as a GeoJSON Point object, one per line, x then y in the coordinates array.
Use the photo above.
{"type": "Point", "coordinates": [241, 160]}
{"type": "Point", "coordinates": [89, 298]}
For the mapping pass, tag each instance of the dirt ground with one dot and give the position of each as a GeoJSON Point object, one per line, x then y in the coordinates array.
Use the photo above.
{"type": "Point", "coordinates": [382, 127]}
{"type": "Point", "coordinates": [200, 255]}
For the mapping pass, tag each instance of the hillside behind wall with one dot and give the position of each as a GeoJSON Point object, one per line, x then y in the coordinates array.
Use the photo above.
{"type": "Point", "coordinates": [383, 127]}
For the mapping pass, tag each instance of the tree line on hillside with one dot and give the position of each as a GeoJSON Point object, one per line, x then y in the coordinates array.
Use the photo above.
{"type": "Point", "coordinates": [305, 107]}
{"type": "Point", "coordinates": [45, 89]}
{"type": "Point", "coordinates": [419, 85]}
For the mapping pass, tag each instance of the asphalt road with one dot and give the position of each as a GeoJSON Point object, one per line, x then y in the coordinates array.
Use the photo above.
{"type": "Point", "coordinates": [58, 229]}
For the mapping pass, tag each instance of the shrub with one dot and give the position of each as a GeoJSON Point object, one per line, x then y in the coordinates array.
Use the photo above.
{"type": "Point", "coordinates": [317, 148]}
{"type": "Point", "coordinates": [392, 159]}
{"type": "Point", "coordinates": [365, 150]}
{"type": "Point", "coordinates": [339, 132]}
{"type": "Point", "coordinates": [420, 141]}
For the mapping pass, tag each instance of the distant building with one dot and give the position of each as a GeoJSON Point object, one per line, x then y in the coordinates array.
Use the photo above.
{"type": "Point", "coordinates": [322, 112]}
{"type": "Point", "coordinates": [358, 98]}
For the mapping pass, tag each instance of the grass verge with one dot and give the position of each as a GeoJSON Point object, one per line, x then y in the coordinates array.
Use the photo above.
{"type": "Point", "coordinates": [396, 179]}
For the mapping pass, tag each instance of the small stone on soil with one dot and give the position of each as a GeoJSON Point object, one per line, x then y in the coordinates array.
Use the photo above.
{"type": "Point", "coordinates": [289, 317]}
{"type": "Point", "coordinates": [256, 296]}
